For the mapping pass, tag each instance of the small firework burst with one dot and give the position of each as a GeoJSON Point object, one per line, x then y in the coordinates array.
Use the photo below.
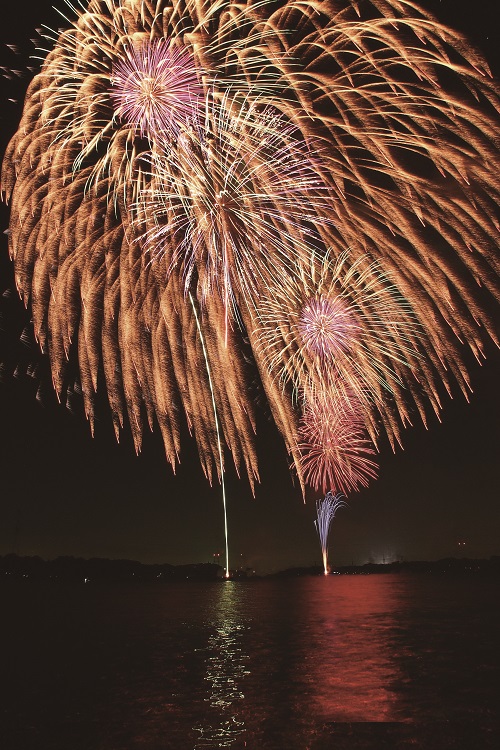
{"type": "Point", "coordinates": [335, 448]}
{"type": "Point", "coordinates": [155, 87]}
{"type": "Point", "coordinates": [327, 326]}
{"type": "Point", "coordinates": [344, 326]}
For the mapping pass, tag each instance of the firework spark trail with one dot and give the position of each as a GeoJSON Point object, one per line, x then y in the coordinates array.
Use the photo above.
{"type": "Point", "coordinates": [157, 134]}
{"type": "Point", "coordinates": [216, 421]}
{"type": "Point", "coordinates": [326, 509]}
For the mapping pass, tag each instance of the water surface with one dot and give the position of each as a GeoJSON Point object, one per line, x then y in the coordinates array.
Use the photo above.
{"type": "Point", "coordinates": [281, 664]}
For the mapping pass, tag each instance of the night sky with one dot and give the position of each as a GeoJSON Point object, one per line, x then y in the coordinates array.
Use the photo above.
{"type": "Point", "coordinates": [64, 493]}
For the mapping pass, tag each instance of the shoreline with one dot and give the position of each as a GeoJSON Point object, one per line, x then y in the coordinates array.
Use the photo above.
{"type": "Point", "coordinates": [75, 569]}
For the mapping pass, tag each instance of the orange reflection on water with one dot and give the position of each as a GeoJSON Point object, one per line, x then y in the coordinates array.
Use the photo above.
{"type": "Point", "coordinates": [351, 655]}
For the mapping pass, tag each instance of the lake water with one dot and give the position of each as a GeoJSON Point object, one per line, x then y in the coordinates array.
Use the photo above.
{"type": "Point", "coordinates": [341, 662]}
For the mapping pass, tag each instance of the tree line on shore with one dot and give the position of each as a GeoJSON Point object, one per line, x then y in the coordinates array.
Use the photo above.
{"type": "Point", "coordinates": [68, 568]}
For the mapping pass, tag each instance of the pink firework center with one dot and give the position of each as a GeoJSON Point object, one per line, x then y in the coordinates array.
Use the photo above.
{"type": "Point", "coordinates": [156, 88]}
{"type": "Point", "coordinates": [327, 327]}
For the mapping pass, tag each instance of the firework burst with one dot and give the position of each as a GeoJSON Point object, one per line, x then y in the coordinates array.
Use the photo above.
{"type": "Point", "coordinates": [327, 327]}
{"type": "Point", "coordinates": [344, 328]}
{"type": "Point", "coordinates": [238, 154]}
{"type": "Point", "coordinates": [156, 88]}
{"type": "Point", "coordinates": [336, 452]}
{"type": "Point", "coordinates": [233, 203]}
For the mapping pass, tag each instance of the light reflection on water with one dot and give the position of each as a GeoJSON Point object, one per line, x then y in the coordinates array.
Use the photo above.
{"type": "Point", "coordinates": [355, 665]}
{"type": "Point", "coordinates": [340, 663]}
{"type": "Point", "coordinates": [226, 667]}
{"type": "Point", "coordinates": [276, 664]}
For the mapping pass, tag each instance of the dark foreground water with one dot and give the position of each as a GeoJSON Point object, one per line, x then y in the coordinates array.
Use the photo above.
{"type": "Point", "coordinates": [380, 661]}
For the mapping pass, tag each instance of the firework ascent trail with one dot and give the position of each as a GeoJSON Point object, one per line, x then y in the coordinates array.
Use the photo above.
{"type": "Point", "coordinates": [313, 184]}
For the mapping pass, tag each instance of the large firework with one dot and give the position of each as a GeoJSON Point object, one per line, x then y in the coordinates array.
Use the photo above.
{"type": "Point", "coordinates": [203, 192]}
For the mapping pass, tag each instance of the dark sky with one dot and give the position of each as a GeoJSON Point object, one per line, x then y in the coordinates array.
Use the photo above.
{"type": "Point", "coordinates": [64, 493]}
